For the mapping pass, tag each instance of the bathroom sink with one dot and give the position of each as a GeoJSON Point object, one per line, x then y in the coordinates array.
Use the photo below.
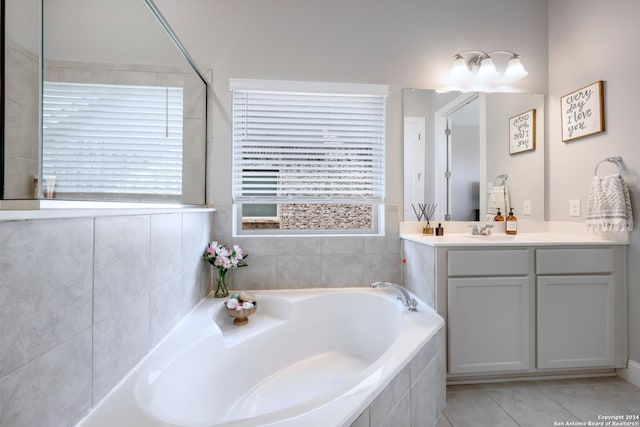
{"type": "Point", "coordinates": [490, 238]}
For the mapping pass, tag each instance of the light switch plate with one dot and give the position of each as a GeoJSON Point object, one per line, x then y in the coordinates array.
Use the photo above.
{"type": "Point", "coordinates": [526, 207]}
{"type": "Point", "coordinates": [574, 207]}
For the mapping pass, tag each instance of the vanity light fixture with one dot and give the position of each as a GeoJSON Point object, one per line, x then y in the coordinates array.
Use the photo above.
{"type": "Point", "coordinates": [475, 70]}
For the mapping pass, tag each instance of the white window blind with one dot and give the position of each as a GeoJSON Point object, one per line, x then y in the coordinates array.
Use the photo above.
{"type": "Point", "coordinates": [113, 138]}
{"type": "Point", "coordinates": [321, 147]}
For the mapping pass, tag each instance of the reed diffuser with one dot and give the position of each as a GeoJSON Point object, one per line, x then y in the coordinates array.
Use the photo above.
{"type": "Point", "coordinates": [426, 211]}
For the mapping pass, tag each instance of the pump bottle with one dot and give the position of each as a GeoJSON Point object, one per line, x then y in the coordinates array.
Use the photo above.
{"type": "Point", "coordinates": [511, 223]}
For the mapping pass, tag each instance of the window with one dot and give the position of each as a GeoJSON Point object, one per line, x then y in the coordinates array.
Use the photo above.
{"type": "Point", "coordinates": [308, 156]}
{"type": "Point", "coordinates": [116, 140]}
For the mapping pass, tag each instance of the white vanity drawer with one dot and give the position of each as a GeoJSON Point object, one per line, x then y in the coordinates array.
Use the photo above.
{"type": "Point", "coordinates": [488, 262]}
{"type": "Point", "coordinates": [574, 261]}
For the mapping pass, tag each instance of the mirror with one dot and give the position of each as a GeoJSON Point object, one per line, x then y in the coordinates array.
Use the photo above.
{"type": "Point", "coordinates": [457, 154]}
{"type": "Point", "coordinates": [123, 108]}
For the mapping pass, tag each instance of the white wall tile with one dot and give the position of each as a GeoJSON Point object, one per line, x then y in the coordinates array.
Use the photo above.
{"type": "Point", "coordinates": [195, 285]}
{"type": "Point", "coordinates": [53, 390]}
{"type": "Point", "coordinates": [56, 360]}
{"type": "Point", "coordinates": [389, 398]}
{"type": "Point", "coordinates": [45, 286]}
{"type": "Point", "coordinates": [337, 245]}
{"type": "Point", "coordinates": [259, 274]}
{"type": "Point", "coordinates": [119, 342]}
{"type": "Point", "coordinates": [165, 251]}
{"type": "Point", "coordinates": [121, 263]}
{"type": "Point", "coordinates": [196, 235]}
{"type": "Point", "coordinates": [342, 270]}
{"type": "Point", "coordinates": [165, 309]}
{"type": "Point", "coordinates": [362, 420]}
{"type": "Point", "coordinates": [297, 272]}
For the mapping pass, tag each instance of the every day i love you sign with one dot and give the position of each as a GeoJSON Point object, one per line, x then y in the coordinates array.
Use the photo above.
{"type": "Point", "coordinates": [522, 132]}
{"type": "Point", "coordinates": [582, 112]}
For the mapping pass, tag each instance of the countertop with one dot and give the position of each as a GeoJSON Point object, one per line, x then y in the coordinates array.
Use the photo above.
{"type": "Point", "coordinates": [544, 233]}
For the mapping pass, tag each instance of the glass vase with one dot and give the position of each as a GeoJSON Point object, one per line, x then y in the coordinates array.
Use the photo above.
{"type": "Point", "coordinates": [221, 286]}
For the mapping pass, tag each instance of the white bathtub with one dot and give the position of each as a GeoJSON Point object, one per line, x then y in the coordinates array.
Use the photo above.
{"type": "Point", "coordinates": [306, 358]}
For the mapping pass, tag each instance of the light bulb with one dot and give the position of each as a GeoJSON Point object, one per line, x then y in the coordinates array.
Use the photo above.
{"type": "Point", "coordinates": [515, 70]}
{"type": "Point", "coordinates": [460, 68]}
{"type": "Point", "coordinates": [487, 68]}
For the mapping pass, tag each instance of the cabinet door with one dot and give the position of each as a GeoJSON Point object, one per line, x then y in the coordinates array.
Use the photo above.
{"type": "Point", "coordinates": [488, 324]}
{"type": "Point", "coordinates": [575, 321]}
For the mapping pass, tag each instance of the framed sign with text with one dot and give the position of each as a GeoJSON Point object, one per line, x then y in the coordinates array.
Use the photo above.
{"type": "Point", "coordinates": [582, 112]}
{"type": "Point", "coordinates": [522, 132]}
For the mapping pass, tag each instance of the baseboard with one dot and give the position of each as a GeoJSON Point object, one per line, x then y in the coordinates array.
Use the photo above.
{"type": "Point", "coordinates": [631, 373]}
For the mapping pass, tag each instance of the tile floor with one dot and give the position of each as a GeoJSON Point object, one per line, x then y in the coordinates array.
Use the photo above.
{"type": "Point", "coordinates": [541, 403]}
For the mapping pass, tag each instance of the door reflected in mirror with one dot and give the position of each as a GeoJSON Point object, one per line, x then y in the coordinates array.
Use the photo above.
{"type": "Point", "coordinates": [464, 163]}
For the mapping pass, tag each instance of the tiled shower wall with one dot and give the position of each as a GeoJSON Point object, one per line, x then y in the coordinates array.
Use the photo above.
{"type": "Point", "coordinates": [21, 139]}
{"type": "Point", "coordinates": [82, 300]}
{"type": "Point", "coordinates": [313, 261]}
{"type": "Point", "coordinates": [194, 109]}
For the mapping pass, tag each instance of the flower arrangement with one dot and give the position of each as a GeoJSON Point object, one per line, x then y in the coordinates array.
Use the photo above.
{"type": "Point", "coordinates": [224, 259]}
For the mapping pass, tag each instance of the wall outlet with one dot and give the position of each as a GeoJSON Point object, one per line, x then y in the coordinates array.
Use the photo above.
{"type": "Point", "coordinates": [526, 207]}
{"type": "Point", "coordinates": [574, 207]}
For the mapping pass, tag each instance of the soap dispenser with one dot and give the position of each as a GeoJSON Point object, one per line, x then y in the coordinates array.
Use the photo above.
{"type": "Point", "coordinates": [511, 224]}
{"type": "Point", "coordinates": [498, 216]}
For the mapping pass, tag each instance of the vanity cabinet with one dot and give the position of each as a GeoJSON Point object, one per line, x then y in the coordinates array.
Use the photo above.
{"type": "Point", "coordinates": [576, 307]}
{"type": "Point", "coordinates": [488, 311]}
{"type": "Point", "coordinates": [535, 310]}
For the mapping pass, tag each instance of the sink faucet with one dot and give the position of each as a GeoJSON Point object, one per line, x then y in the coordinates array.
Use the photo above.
{"type": "Point", "coordinates": [485, 230]}
{"type": "Point", "coordinates": [404, 296]}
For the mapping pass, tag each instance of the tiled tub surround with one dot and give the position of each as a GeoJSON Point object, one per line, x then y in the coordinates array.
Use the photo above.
{"type": "Point", "coordinates": [293, 262]}
{"type": "Point", "coordinates": [416, 396]}
{"type": "Point", "coordinates": [83, 299]}
{"type": "Point", "coordinates": [396, 376]}
{"type": "Point", "coordinates": [418, 270]}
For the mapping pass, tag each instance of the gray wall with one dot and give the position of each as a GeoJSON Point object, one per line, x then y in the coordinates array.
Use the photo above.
{"type": "Point", "coordinates": [564, 45]}
{"type": "Point", "coordinates": [82, 300]}
{"type": "Point", "coordinates": [404, 44]}
{"type": "Point", "coordinates": [581, 51]}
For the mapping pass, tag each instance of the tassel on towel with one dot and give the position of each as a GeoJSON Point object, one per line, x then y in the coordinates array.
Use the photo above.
{"type": "Point", "coordinates": [609, 207]}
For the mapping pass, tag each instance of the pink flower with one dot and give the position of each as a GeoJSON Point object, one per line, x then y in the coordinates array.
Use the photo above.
{"type": "Point", "coordinates": [238, 251]}
{"type": "Point", "coordinates": [224, 258]}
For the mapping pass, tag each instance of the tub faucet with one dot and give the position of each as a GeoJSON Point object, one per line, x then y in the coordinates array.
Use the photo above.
{"type": "Point", "coordinates": [404, 296]}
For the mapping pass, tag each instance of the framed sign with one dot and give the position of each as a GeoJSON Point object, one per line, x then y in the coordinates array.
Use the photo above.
{"type": "Point", "coordinates": [582, 112]}
{"type": "Point", "coordinates": [522, 132]}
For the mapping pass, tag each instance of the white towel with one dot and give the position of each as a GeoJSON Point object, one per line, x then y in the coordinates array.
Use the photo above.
{"type": "Point", "coordinates": [498, 199]}
{"type": "Point", "coordinates": [609, 207]}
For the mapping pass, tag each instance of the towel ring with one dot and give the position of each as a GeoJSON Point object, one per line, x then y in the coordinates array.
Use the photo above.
{"type": "Point", "coordinates": [501, 180]}
{"type": "Point", "coordinates": [617, 160]}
